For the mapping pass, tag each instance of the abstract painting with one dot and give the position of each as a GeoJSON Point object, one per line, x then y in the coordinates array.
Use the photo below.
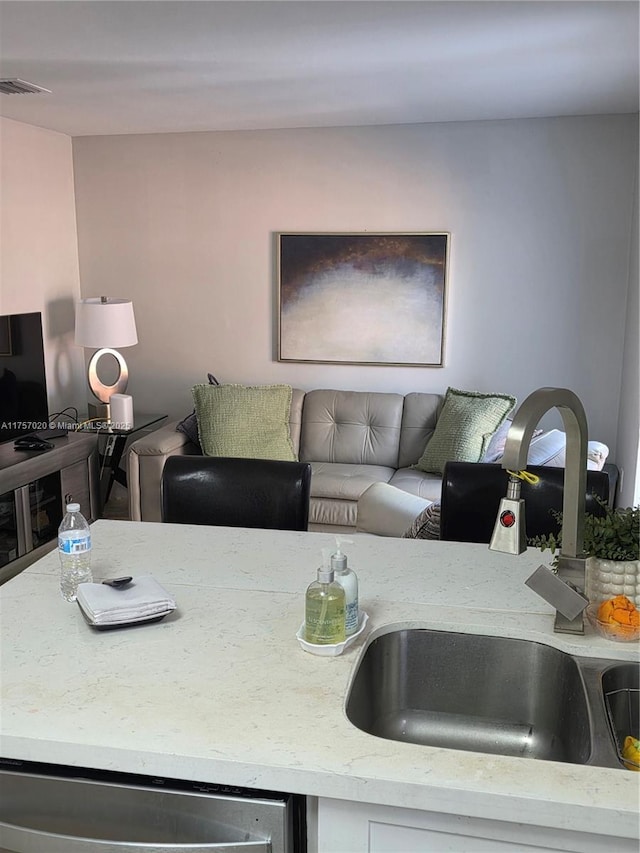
{"type": "Point", "coordinates": [362, 298]}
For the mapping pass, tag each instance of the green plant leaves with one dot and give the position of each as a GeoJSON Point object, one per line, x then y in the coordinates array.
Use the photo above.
{"type": "Point", "coordinates": [612, 536]}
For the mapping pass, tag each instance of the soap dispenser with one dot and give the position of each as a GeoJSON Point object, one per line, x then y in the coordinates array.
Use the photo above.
{"type": "Point", "coordinates": [348, 580]}
{"type": "Point", "coordinates": [324, 616]}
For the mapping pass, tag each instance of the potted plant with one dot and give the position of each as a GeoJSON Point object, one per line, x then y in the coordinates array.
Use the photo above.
{"type": "Point", "coordinates": [612, 545]}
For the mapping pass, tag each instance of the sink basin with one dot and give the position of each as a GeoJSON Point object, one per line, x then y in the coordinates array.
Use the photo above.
{"type": "Point", "coordinates": [621, 691]}
{"type": "Point", "coordinates": [480, 693]}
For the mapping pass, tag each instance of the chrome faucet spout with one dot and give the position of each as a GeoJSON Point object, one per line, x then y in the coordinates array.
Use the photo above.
{"type": "Point", "coordinates": [575, 477]}
{"type": "Point", "coordinates": [571, 564]}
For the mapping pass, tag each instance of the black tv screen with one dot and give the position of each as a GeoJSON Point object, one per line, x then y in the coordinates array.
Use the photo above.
{"type": "Point", "coordinates": [23, 384]}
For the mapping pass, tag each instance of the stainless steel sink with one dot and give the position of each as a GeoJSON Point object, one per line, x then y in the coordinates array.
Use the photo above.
{"type": "Point", "coordinates": [621, 690]}
{"type": "Point", "coordinates": [482, 693]}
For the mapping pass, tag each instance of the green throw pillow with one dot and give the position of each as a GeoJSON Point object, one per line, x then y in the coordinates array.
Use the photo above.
{"type": "Point", "coordinates": [464, 428]}
{"type": "Point", "coordinates": [244, 420]}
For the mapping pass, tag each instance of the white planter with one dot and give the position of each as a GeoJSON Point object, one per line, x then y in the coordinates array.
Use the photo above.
{"type": "Point", "coordinates": [606, 578]}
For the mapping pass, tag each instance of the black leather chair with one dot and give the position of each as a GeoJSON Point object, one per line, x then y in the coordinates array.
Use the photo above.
{"type": "Point", "coordinates": [230, 492]}
{"type": "Point", "coordinates": [472, 491]}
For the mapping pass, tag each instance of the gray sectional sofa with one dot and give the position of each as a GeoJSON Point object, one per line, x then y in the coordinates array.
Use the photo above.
{"type": "Point", "coordinates": [351, 438]}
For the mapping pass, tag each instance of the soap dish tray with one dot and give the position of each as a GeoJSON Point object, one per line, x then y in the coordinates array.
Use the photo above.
{"type": "Point", "coordinates": [331, 650]}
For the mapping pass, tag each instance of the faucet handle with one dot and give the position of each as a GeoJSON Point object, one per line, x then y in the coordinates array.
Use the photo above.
{"type": "Point", "coordinates": [509, 532]}
{"type": "Point", "coordinates": [562, 595]}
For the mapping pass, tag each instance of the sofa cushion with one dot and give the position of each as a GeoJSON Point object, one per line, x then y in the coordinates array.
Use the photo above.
{"type": "Point", "coordinates": [419, 418]}
{"type": "Point", "coordinates": [333, 513]}
{"type": "Point", "coordinates": [419, 483]}
{"type": "Point", "coordinates": [295, 417]}
{"type": "Point", "coordinates": [464, 428]}
{"type": "Point", "coordinates": [352, 427]}
{"type": "Point", "coordinates": [345, 482]}
{"type": "Point", "coordinates": [244, 421]}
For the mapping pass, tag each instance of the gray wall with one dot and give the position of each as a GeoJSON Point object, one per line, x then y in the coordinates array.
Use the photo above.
{"type": "Point", "coordinates": [39, 249]}
{"type": "Point", "coordinates": [628, 445]}
{"type": "Point", "coordinates": [539, 212]}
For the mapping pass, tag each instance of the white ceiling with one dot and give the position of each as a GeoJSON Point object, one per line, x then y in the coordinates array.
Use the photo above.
{"type": "Point", "coordinates": [130, 66]}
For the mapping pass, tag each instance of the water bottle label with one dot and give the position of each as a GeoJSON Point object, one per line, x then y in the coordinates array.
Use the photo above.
{"type": "Point", "coordinates": [351, 617]}
{"type": "Point", "coordinates": [75, 546]}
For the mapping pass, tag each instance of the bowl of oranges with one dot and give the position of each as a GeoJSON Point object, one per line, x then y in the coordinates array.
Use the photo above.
{"type": "Point", "coordinates": [616, 619]}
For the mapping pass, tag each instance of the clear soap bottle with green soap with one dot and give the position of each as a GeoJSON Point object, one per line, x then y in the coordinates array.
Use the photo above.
{"type": "Point", "coordinates": [324, 612]}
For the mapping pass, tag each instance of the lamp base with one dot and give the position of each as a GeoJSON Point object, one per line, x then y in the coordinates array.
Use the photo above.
{"type": "Point", "coordinates": [101, 391]}
{"type": "Point", "coordinates": [99, 411]}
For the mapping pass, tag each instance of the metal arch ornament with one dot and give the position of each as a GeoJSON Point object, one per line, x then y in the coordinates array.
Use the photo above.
{"type": "Point", "coordinates": [100, 390]}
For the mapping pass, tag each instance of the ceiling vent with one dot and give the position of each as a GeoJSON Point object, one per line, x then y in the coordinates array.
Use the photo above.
{"type": "Point", "coordinates": [15, 86]}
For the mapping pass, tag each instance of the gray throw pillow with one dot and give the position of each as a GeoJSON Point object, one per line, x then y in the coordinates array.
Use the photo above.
{"type": "Point", "coordinates": [495, 450]}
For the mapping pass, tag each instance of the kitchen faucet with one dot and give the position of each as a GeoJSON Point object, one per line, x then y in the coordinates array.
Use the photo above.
{"type": "Point", "coordinates": [563, 590]}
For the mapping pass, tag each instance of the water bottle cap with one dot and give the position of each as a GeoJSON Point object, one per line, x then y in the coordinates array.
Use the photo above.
{"type": "Point", "coordinates": [73, 507]}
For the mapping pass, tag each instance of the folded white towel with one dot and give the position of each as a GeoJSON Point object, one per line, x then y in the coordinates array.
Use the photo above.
{"type": "Point", "coordinates": [143, 598]}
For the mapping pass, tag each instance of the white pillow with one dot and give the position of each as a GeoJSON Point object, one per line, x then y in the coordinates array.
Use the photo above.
{"type": "Point", "coordinates": [597, 453]}
{"type": "Point", "coordinates": [545, 447]}
{"type": "Point", "coordinates": [550, 449]}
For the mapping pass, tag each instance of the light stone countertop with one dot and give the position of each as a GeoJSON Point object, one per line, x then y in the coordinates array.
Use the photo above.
{"type": "Point", "coordinates": [221, 692]}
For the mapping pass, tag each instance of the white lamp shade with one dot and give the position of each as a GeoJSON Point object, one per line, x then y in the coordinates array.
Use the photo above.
{"type": "Point", "coordinates": [106, 322]}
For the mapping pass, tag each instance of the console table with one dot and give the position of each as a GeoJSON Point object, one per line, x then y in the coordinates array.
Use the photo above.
{"type": "Point", "coordinates": [35, 487]}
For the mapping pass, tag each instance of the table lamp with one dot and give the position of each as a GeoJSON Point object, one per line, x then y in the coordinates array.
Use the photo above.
{"type": "Point", "coordinates": [104, 323]}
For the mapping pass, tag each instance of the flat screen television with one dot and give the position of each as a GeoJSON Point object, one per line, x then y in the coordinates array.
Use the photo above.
{"type": "Point", "coordinates": [24, 406]}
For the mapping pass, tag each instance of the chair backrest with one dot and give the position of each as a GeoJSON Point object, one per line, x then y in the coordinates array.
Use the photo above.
{"type": "Point", "coordinates": [230, 492]}
{"type": "Point", "coordinates": [472, 491]}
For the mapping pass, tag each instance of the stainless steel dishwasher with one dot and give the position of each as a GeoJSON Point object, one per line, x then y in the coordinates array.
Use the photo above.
{"type": "Point", "coordinates": [45, 809]}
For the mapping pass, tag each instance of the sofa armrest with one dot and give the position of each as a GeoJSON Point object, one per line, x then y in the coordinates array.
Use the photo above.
{"type": "Point", "coordinates": [388, 511]}
{"type": "Point", "coordinates": [145, 461]}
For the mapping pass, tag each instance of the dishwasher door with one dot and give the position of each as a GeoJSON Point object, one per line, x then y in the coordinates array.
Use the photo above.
{"type": "Point", "coordinates": [57, 814]}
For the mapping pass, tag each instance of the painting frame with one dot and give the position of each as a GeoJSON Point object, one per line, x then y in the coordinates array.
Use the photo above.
{"type": "Point", "coordinates": [363, 298]}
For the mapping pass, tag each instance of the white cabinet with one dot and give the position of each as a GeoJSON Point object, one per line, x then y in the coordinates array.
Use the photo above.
{"type": "Point", "coordinates": [348, 827]}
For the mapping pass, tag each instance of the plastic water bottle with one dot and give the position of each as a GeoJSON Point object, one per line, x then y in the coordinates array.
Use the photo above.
{"type": "Point", "coordinates": [74, 547]}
